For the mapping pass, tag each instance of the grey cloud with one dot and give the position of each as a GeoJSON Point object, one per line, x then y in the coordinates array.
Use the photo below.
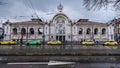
{"type": "Point", "coordinates": [73, 8]}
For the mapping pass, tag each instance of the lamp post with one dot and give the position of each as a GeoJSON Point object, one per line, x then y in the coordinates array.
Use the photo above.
{"type": "Point", "coordinates": [21, 40]}
{"type": "Point", "coordinates": [71, 33]}
{"type": "Point", "coordinates": [27, 33]}
{"type": "Point", "coordinates": [92, 34]}
{"type": "Point", "coordinates": [115, 30]}
{"type": "Point", "coordinates": [43, 36]}
{"type": "Point", "coordinates": [41, 31]}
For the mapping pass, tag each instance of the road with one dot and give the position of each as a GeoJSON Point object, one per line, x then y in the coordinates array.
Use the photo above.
{"type": "Point", "coordinates": [84, 57]}
{"type": "Point", "coordinates": [77, 65]}
{"type": "Point", "coordinates": [42, 61]}
{"type": "Point", "coordinates": [59, 46]}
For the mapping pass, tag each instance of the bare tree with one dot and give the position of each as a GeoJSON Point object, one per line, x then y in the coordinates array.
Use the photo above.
{"type": "Point", "coordinates": [97, 4]}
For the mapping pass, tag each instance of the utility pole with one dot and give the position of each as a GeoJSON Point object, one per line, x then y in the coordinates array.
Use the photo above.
{"type": "Point", "coordinates": [21, 40]}
{"type": "Point", "coordinates": [71, 33]}
{"type": "Point", "coordinates": [43, 37]}
{"type": "Point", "coordinates": [27, 33]}
{"type": "Point", "coordinates": [92, 33]}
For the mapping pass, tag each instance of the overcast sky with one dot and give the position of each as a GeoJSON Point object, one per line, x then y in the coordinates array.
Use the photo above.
{"type": "Point", "coordinates": [18, 10]}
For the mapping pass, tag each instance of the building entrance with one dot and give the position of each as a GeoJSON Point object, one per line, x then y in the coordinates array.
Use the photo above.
{"type": "Point", "coordinates": [60, 38]}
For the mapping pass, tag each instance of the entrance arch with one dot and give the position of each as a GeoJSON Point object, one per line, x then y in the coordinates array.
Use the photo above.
{"type": "Point", "coordinates": [60, 31]}
{"type": "Point", "coordinates": [60, 27]}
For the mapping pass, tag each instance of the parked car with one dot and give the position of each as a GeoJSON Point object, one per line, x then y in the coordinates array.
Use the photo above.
{"type": "Point", "coordinates": [8, 42]}
{"type": "Point", "coordinates": [88, 42]}
{"type": "Point", "coordinates": [110, 43]}
{"type": "Point", "coordinates": [54, 42]}
{"type": "Point", "coordinates": [33, 42]}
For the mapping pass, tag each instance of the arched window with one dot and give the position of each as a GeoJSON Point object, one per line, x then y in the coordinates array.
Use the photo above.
{"type": "Point", "coordinates": [61, 29]}
{"type": "Point", "coordinates": [88, 31]}
{"type": "Point", "coordinates": [46, 29]}
{"type": "Point", "coordinates": [23, 31]}
{"type": "Point", "coordinates": [62, 21]}
{"type": "Point", "coordinates": [14, 30]}
{"type": "Point", "coordinates": [7, 30]}
{"type": "Point", "coordinates": [39, 30]}
{"type": "Point", "coordinates": [64, 31]}
{"type": "Point", "coordinates": [96, 31]}
{"type": "Point", "coordinates": [80, 31]}
{"type": "Point", "coordinates": [31, 31]}
{"type": "Point", "coordinates": [103, 31]}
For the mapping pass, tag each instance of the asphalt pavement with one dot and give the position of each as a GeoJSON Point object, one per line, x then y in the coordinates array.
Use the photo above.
{"type": "Point", "coordinates": [77, 65]}
{"type": "Point", "coordinates": [47, 51]}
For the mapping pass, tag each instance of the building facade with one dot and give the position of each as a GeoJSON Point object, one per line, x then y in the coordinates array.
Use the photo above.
{"type": "Point", "coordinates": [117, 29]}
{"type": "Point", "coordinates": [111, 30]}
{"type": "Point", "coordinates": [60, 27]}
{"type": "Point", "coordinates": [26, 30]}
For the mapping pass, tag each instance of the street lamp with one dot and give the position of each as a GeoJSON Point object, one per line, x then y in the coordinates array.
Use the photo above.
{"type": "Point", "coordinates": [43, 35]}
{"type": "Point", "coordinates": [71, 32]}
{"type": "Point", "coordinates": [115, 30]}
{"type": "Point", "coordinates": [27, 33]}
{"type": "Point", "coordinates": [21, 40]}
{"type": "Point", "coordinates": [41, 31]}
{"type": "Point", "coordinates": [92, 34]}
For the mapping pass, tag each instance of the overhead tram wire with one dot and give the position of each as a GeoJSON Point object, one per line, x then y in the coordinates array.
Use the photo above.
{"type": "Point", "coordinates": [28, 6]}
{"type": "Point", "coordinates": [33, 8]}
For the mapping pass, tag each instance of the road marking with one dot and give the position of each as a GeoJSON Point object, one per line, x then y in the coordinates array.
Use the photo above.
{"type": "Point", "coordinates": [48, 63]}
{"type": "Point", "coordinates": [18, 63]}
{"type": "Point", "coordinates": [59, 63]}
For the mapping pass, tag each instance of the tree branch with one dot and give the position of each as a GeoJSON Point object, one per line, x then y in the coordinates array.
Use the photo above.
{"type": "Point", "coordinates": [98, 4]}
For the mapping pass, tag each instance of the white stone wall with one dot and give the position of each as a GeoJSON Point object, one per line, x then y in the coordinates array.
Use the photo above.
{"type": "Point", "coordinates": [52, 32]}
{"type": "Point", "coordinates": [97, 37]}
{"type": "Point", "coordinates": [75, 33]}
{"type": "Point", "coordinates": [27, 35]}
{"type": "Point", "coordinates": [7, 31]}
{"type": "Point", "coordinates": [67, 31]}
{"type": "Point", "coordinates": [111, 32]}
{"type": "Point", "coordinates": [46, 32]}
{"type": "Point", "coordinates": [75, 29]}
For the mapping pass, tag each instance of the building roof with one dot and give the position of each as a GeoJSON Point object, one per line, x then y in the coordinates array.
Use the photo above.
{"type": "Point", "coordinates": [113, 21]}
{"type": "Point", "coordinates": [87, 22]}
{"type": "Point", "coordinates": [33, 21]}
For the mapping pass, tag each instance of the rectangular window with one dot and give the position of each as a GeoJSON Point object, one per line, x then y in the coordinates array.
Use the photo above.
{"type": "Point", "coordinates": [119, 25]}
{"type": "Point", "coordinates": [46, 30]}
{"type": "Point", "coordinates": [119, 30]}
{"type": "Point", "coordinates": [111, 36]}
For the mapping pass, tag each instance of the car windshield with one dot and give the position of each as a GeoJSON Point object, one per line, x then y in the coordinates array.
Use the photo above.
{"type": "Point", "coordinates": [8, 40]}
{"type": "Point", "coordinates": [112, 41]}
{"type": "Point", "coordinates": [53, 40]}
{"type": "Point", "coordinates": [89, 41]}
